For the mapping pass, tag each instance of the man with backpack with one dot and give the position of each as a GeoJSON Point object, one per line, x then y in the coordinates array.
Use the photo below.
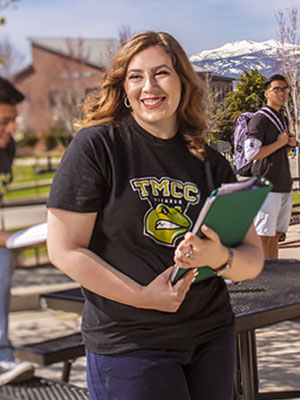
{"type": "Point", "coordinates": [266, 146]}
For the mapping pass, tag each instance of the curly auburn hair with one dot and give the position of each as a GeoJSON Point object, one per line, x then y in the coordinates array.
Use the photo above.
{"type": "Point", "coordinates": [108, 105]}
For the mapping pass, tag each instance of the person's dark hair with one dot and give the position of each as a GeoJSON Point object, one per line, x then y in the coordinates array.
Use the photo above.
{"type": "Point", "coordinates": [9, 94]}
{"type": "Point", "coordinates": [108, 105]}
{"type": "Point", "coordinates": [276, 77]}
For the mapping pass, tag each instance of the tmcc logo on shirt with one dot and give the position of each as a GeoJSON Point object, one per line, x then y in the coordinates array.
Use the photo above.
{"type": "Point", "coordinates": [169, 199]}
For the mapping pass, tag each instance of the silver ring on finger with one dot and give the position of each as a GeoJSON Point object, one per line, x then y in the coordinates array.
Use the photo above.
{"type": "Point", "coordinates": [189, 254]}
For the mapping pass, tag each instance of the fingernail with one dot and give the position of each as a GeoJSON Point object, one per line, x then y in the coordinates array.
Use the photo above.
{"type": "Point", "coordinates": [205, 227]}
{"type": "Point", "coordinates": [195, 270]}
{"type": "Point", "coordinates": [196, 273]}
{"type": "Point", "coordinates": [193, 280]}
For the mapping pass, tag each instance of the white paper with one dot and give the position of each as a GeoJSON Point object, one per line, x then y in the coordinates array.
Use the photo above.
{"type": "Point", "coordinates": [30, 236]}
{"type": "Point", "coordinates": [227, 188]}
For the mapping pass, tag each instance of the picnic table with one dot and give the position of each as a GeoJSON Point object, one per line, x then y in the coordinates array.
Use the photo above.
{"type": "Point", "coordinates": [272, 297]}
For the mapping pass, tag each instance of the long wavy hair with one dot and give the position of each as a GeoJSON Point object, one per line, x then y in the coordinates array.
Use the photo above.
{"type": "Point", "coordinates": [107, 107]}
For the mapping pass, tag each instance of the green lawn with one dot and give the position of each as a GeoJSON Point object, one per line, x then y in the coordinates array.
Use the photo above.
{"type": "Point", "coordinates": [27, 193]}
{"type": "Point", "coordinates": [296, 197]}
{"type": "Point", "coordinates": [25, 174]}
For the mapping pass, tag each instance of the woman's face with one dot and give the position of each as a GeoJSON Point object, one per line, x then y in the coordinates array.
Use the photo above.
{"type": "Point", "coordinates": [153, 88]}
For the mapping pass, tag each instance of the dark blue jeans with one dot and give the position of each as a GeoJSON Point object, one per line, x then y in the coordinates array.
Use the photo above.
{"type": "Point", "coordinates": [205, 372]}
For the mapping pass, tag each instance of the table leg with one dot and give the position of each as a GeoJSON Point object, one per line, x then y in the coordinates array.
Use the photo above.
{"type": "Point", "coordinates": [248, 365]}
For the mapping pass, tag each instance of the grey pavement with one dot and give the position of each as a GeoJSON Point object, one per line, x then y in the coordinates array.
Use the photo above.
{"type": "Point", "coordinates": [19, 217]}
{"type": "Point", "coordinates": [37, 160]}
{"type": "Point", "coordinates": [29, 323]}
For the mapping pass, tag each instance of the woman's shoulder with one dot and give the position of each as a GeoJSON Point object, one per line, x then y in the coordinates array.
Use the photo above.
{"type": "Point", "coordinates": [214, 156]}
{"type": "Point", "coordinates": [221, 169]}
{"type": "Point", "coordinates": [94, 131]}
{"type": "Point", "coordinates": [97, 135]}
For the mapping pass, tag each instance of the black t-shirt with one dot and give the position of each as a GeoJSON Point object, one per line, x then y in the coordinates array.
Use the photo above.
{"type": "Point", "coordinates": [6, 159]}
{"type": "Point", "coordinates": [147, 193]}
{"type": "Point", "coordinates": [276, 166]}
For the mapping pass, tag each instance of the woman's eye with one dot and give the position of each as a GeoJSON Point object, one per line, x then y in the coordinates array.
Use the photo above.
{"type": "Point", "coordinates": [135, 76]}
{"type": "Point", "coordinates": [163, 72]}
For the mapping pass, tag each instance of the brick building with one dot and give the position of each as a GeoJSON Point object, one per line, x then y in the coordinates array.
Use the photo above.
{"type": "Point", "coordinates": [219, 84]}
{"type": "Point", "coordinates": [63, 71]}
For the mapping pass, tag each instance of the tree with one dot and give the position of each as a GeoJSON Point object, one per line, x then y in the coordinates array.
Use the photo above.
{"type": "Point", "coordinates": [289, 51]}
{"type": "Point", "coordinates": [213, 109]}
{"type": "Point", "coordinates": [10, 58]}
{"type": "Point", "coordinates": [66, 100]}
{"type": "Point", "coordinates": [5, 4]}
{"type": "Point", "coordinates": [125, 34]}
{"type": "Point", "coordinates": [247, 96]}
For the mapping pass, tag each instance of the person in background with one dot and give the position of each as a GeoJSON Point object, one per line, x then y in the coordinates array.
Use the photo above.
{"type": "Point", "coordinates": [10, 370]}
{"type": "Point", "coordinates": [269, 147]}
{"type": "Point", "coordinates": [129, 188]}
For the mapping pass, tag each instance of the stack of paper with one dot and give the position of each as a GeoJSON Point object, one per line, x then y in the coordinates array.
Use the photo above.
{"type": "Point", "coordinates": [28, 237]}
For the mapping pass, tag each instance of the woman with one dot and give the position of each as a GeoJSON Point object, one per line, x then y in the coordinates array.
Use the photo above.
{"type": "Point", "coordinates": [129, 187]}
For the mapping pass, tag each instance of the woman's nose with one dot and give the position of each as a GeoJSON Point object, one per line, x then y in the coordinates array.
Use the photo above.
{"type": "Point", "coordinates": [150, 82]}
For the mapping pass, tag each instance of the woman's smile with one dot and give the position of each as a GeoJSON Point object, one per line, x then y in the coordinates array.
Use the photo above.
{"type": "Point", "coordinates": [153, 102]}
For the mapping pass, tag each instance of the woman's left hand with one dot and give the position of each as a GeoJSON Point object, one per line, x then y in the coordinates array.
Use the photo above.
{"type": "Point", "coordinates": [194, 251]}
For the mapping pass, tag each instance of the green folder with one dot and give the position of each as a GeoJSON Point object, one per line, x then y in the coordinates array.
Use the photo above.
{"type": "Point", "coordinates": [229, 211]}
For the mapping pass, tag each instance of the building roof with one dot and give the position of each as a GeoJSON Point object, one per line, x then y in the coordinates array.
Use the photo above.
{"type": "Point", "coordinates": [95, 52]}
{"type": "Point", "coordinates": [201, 71]}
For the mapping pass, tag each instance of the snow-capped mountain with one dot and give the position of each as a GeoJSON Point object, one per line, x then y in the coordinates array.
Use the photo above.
{"type": "Point", "coordinates": [232, 58]}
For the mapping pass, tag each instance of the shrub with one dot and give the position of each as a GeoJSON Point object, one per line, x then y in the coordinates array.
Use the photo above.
{"type": "Point", "coordinates": [56, 135]}
{"type": "Point", "coordinates": [27, 139]}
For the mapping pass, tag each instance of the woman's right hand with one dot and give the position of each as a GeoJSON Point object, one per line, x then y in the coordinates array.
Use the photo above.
{"type": "Point", "coordinates": [161, 295]}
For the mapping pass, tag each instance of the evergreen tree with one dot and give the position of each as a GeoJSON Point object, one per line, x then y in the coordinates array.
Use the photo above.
{"type": "Point", "coordinates": [247, 96]}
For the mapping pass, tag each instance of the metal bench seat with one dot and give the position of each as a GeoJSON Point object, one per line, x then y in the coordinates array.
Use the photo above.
{"type": "Point", "coordinates": [63, 349]}
{"type": "Point", "coordinates": [42, 389]}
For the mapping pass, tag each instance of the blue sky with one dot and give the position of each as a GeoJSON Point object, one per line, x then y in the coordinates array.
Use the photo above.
{"type": "Point", "coordinates": [197, 24]}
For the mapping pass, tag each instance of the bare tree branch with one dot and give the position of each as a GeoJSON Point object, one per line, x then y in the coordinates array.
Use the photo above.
{"type": "Point", "coordinates": [67, 100]}
{"type": "Point", "coordinates": [125, 34]}
{"type": "Point", "coordinates": [4, 4]}
{"type": "Point", "coordinates": [289, 52]}
{"type": "Point", "coordinates": [10, 58]}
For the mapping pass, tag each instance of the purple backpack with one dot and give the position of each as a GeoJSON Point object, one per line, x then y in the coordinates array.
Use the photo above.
{"type": "Point", "coordinates": [240, 130]}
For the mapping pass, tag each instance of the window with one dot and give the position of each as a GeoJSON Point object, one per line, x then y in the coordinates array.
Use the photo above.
{"type": "Point", "coordinates": [57, 97]}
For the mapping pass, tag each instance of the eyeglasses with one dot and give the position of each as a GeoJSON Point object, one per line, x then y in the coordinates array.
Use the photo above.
{"type": "Point", "coordinates": [278, 89]}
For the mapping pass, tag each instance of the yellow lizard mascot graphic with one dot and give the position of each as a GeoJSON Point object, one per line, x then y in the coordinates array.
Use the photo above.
{"type": "Point", "coordinates": [166, 223]}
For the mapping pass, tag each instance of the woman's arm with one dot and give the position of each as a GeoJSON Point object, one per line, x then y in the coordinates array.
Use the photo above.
{"type": "Point", "coordinates": [247, 261]}
{"type": "Point", "coordinates": [69, 235]}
